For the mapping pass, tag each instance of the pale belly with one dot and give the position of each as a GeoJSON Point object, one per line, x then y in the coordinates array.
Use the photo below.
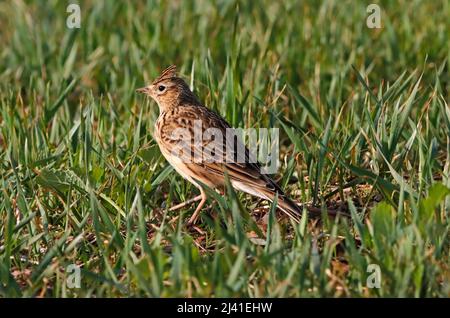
{"type": "Point", "coordinates": [179, 167]}
{"type": "Point", "coordinates": [188, 170]}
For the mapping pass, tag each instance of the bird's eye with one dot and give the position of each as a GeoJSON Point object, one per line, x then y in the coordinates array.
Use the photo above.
{"type": "Point", "coordinates": [161, 88]}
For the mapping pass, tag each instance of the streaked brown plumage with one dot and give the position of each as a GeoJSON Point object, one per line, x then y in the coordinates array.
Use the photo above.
{"type": "Point", "coordinates": [179, 109]}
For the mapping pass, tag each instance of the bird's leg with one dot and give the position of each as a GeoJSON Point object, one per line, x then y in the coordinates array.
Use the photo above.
{"type": "Point", "coordinates": [194, 216]}
{"type": "Point", "coordinates": [183, 204]}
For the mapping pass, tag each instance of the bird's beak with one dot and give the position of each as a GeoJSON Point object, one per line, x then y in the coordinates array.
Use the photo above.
{"type": "Point", "coordinates": [143, 90]}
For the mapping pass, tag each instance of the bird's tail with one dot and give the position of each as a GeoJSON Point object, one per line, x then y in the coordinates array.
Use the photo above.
{"type": "Point", "coordinates": [284, 203]}
{"type": "Point", "coordinates": [295, 211]}
{"type": "Point", "coordinates": [289, 207]}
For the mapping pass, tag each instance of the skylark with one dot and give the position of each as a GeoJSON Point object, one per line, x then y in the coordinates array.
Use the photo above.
{"type": "Point", "coordinates": [206, 162]}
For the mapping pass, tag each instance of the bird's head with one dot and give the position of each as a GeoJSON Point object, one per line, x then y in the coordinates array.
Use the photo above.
{"type": "Point", "coordinates": [168, 90]}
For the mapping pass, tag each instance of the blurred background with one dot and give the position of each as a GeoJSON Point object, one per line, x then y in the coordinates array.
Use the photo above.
{"type": "Point", "coordinates": [309, 44]}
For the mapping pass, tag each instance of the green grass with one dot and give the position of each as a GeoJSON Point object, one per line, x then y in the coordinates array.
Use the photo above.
{"type": "Point", "coordinates": [365, 126]}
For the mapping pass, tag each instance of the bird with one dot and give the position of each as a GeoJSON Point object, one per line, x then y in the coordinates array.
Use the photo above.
{"type": "Point", "coordinates": [209, 161]}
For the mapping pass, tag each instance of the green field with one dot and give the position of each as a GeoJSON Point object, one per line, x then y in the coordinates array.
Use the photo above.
{"type": "Point", "coordinates": [364, 122]}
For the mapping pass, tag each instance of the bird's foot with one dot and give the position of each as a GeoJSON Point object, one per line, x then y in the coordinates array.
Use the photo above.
{"type": "Point", "coordinates": [185, 203]}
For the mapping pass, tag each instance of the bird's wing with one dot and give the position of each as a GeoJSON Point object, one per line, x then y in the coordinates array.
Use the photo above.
{"type": "Point", "coordinates": [217, 153]}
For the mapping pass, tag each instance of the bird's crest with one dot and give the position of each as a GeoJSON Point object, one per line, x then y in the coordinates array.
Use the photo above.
{"type": "Point", "coordinates": [169, 72]}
